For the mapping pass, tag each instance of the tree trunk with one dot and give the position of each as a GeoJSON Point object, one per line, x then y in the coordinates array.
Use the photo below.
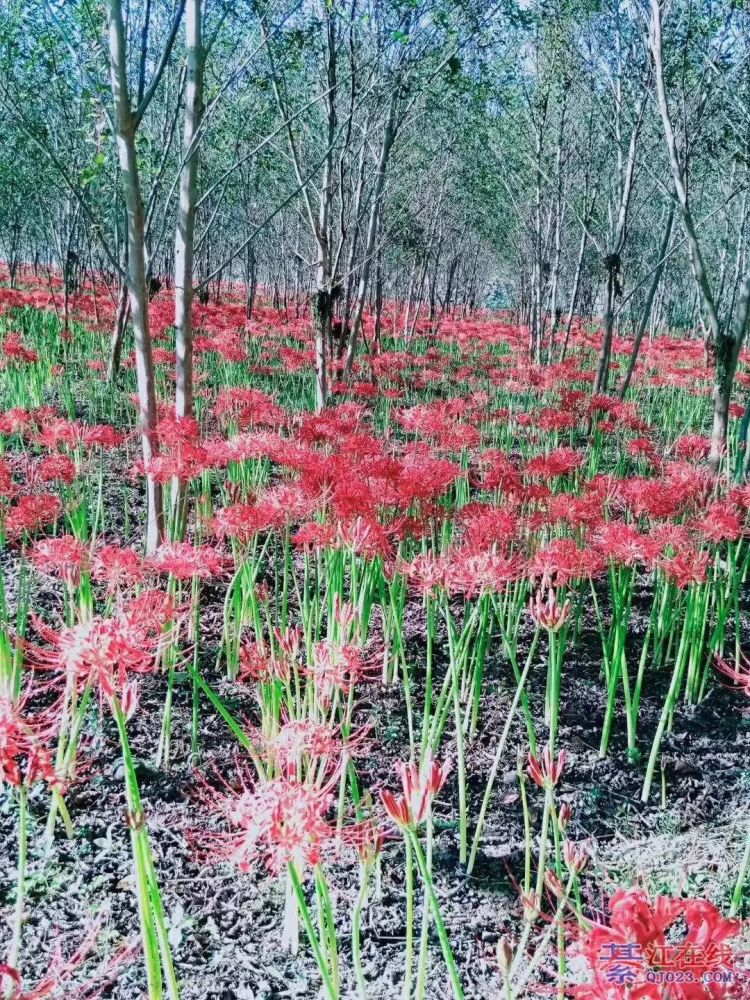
{"type": "Point", "coordinates": [378, 305]}
{"type": "Point", "coordinates": [322, 305]}
{"type": "Point", "coordinates": [612, 265]}
{"type": "Point", "coordinates": [185, 235]}
{"type": "Point", "coordinates": [649, 303]}
{"type": "Point", "coordinates": [136, 274]}
{"type": "Point", "coordinates": [725, 348]}
{"type": "Point", "coordinates": [372, 232]}
{"type": "Point", "coordinates": [727, 352]}
{"type": "Point", "coordinates": [251, 282]}
{"type": "Point", "coordinates": [118, 332]}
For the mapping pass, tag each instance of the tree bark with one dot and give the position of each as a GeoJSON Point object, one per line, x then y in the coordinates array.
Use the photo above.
{"type": "Point", "coordinates": [649, 303]}
{"type": "Point", "coordinates": [725, 346]}
{"type": "Point", "coordinates": [118, 332]}
{"type": "Point", "coordinates": [185, 235]}
{"type": "Point", "coordinates": [136, 274]}
{"type": "Point", "coordinates": [372, 231]}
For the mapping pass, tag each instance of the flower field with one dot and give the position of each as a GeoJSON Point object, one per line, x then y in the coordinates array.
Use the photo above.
{"type": "Point", "coordinates": [439, 691]}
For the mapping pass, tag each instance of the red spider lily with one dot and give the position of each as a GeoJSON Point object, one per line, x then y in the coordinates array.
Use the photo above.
{"type": "Point", "coordinates": [692, 446]}
{"type": "Point", "coordinates": [102, 436]}
{"type": "Point", "coordinates": [485, 526]}
{"type": "Point", "coordinates": [14, 350]}
{"type": "Point", "coordinates": [176, 431]}
{"type": "Point", "coordinates": [289, 641]}
{"type": "Point", "coordinates": [428, 574]}
{"type": "Point", "coordinates": [243, 521]}
{"type": "Point", "coordinates": [57, 469]}
{"type": "Point", "coordinates": [654, 497]}
{"type": "Point", "coordinates": [687, 567]}
{"type": "Point", "coordinates": [186, 462]}
{"type": "Point", "coordinates": [24, 756]}
{"type": "Point", "coordinates": [314, 536]}
{"type": "Point", "coordinates": [57, 981]}
{"type": "Point", "coordinates": [549, 419]}
{"type": "Point", "coordinates": [642, 447]}
{"type": "Point", "coordinates": [740, 497]}
{"type": "Point", "coordinates": [129, 698]}
{"type": "Point", "coordinates": [345, 615]}
{"type": "Point", "coordinates": [420, 785]}
{"type": "Point", "coordinates": [366, 838]}
{"type": "Point", "coordinates": [32, 513]}
{"type": "Point", "coordinates": [257, 663]}
{"type": "Point", "coordinates": [302, 741]}
{"type": "Point", "coordinates": [638, 922]}
{"type": "Point", "coordinates": [498, 471]}
{"type": "Point", "coordinates": [560, 462]}
{"type": "Point", "coordinates": [562, 561]}
{"type": "Point", "coordinates": [578, 512]}
{"type": "Point", "coordinates": [365, 537]}
{"type": "Point", "coordinates": [183, 560]}
{"type": "Point", "coordinates": [739, 674]}
{"type": "Point", "coordinates": [621, 543]}
{"type": "Point", "coordinates": [547, 770]}
{"type": "Point", "coordinates": [720, 524]}
{"type": "Point", "coordinates": [474, 573]}
{"type": "Point", "coordinates": [118, 567]}
{"type": "Point", "coordinates": [64, 556]}
{"type": "Point", "coordinates": [548, 613]}
{"type": "Point", "coordinates": [151, 611]}
{"type": "Point", "coordinates": [288, 502]}
{"type": "Point", "coordinates": [335, 424]}
{"type": "Point", "coordinates": [60, 431]}
{"type": "Point", "coordinates": [8, 489]}
{"type": "Point", "coordinates": [564, 816]}
{"type": "Point", "coordinates": [102, 652]}
{"type": "Point", "coordinates": [16, 421]}
{"type": "Point", "coordinates": [337, 668]}
{"type": "Point", "coordinates": [249, 408]}
{"type": "Point", "coordinates": [280, 821]}
{"type": "Point", "coordinates": [301, 747]}
{"type": "Point", "coordinates": [427, 478]}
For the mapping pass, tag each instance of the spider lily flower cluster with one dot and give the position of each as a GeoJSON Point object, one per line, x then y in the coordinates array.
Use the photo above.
{"type": "Point", "coordinates": [406, 562]}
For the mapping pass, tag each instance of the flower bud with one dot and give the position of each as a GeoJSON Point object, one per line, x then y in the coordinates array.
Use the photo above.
{"type": "Point", "coordinates": [576, 856]}
{"type": "Point", "coordinates": [129, 699]}
{"type": "Point", "coordinates": [504, 955]}
{"type": "Point", "coordinates": [564, 816]}
{"type": "Point", "coordinates": [530, 906]}
{"type": "Point", "coordinates": [554, 885]}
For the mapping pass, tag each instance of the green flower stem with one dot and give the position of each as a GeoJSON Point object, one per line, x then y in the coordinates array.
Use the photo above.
{"type": "Point", "coordinates": [331, 992]}
{"type": "Point", "coordinates": [542, 867]}
{"type": "Point", "coordinates": [448, 958]}
{"type": "Point", "coordinates": [425, 932]}
{"type": "Point", "coordinates": [666, 711]}
{"type": "Point", "coordinates": [156, 947]}
{"type": "Point", "coordinates": [409, 944]}
{"type": "Point", "coordinates": [14, 949]}
{"type": "Point", "coordinates": [359, 905]}
{"type": "Point", "coordinates": [135, 823]}
{"type": "Point", "coordinates": [526, 826]}
{"type": "Point", "coordinates": [541, 948]}
{"type": "Point", "coordinates": [738, 893]}
{"type": "Point", "coordinates": [500, 750]}
{"type": "Point", "coordinates": [328, 928]}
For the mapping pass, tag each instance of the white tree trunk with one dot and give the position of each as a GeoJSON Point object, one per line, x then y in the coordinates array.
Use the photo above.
{"type": "Point", "coordinates": [185, 235]}
{"type": "Point", "coordinates": [372, 232]}
{"type": "Point", "coordinates": [136, 275]}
